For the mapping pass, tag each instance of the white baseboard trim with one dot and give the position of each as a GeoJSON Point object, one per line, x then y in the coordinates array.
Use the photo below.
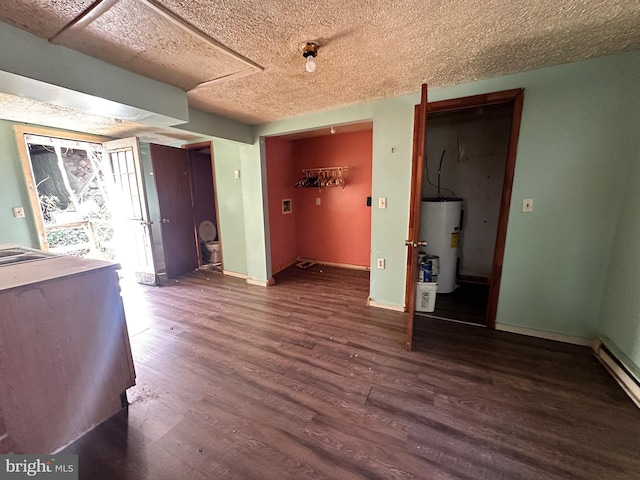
{"type": "Point", "coordinates": [558, 337]}
{"type": "Point", "coordinates": [234, 274]}
{"type": "Point", "coordinates": [343, 265]}
{"type": "Point", "coordinates": [386, 306]}
{"type": "Point", "coordinates": [614, 362]}
{"type": "Point", "coordinates": [259, 283]}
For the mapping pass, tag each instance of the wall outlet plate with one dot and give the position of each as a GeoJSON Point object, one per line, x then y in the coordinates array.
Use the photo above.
{"type": "Point", "coordinates": [381, 263]}
{"type": "Point", "coordinates": [18, 212]}
{"type": "Point", "coordinates": [318, 201]}
{"type": "Point", "coordinates": [236, 174]}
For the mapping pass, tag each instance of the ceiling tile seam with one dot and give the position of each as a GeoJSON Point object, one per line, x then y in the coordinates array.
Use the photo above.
{"type": "Point", "coordinates": [193, 30]}
{"type": "Point", "coordinates": [102, 6]}
{"type": "Point", "coordinates": [83, 20]}
{"type": "Point", "coordinates": [226, 78]}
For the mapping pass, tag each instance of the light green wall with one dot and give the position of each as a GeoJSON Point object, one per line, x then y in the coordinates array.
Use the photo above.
{"type": "Point", "coordinates": [620, 315]}
{"type": "Point", "coordinates": [575, 147]}
{"type": "Point", "coordinates": [254, 197]}
{"type": "Point", "coordinates": [391, 178]}
{"type": "Point", "coordinates": [226, 157]}
{"type": "Point", "coordinates": [573, 154]}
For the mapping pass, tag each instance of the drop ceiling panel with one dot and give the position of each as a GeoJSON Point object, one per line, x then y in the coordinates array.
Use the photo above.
{"type": "Point", "coordinates": [133, 35]}
{"type": "Point", "coordinates": [44, 18]}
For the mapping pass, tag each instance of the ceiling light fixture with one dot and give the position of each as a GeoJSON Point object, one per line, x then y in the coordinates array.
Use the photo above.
{"type": "Point", "coordinates": [309, 51]}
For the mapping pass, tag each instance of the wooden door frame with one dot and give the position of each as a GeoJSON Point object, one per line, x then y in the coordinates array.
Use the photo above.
{"type": "Point", "coordinates": [417, 166]}
{"type": "Point", "coordinates": [200, 146]}
{"type": "Point", "coordinates": [25, 160]}
{"type": "Point", "coordinates": [515, 98]}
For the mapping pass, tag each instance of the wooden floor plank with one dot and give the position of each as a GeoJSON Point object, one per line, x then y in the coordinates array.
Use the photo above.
{"type": "Point", "coordinates": [303, 380]}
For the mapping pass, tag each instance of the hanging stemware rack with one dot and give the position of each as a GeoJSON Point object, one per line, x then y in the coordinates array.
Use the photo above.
{"type": "Point", "coordinates": [322, 177]}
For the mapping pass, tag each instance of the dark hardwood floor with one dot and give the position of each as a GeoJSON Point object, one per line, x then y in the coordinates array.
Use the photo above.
{"type": "Point", "coordinates": [467, 303]}
{"type": "Point", "coordinates": [302, 380]}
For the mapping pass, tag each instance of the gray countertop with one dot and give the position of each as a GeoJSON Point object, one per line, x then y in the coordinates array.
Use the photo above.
{"type": "Point", "coordinates": [46, 269]}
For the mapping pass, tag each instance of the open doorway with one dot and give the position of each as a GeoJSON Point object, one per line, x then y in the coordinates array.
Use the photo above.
{"type": "Point", "coordinates": [466, 156]}
{"type": "Point", "coordinates": [319, 189]}
{"type": "Point", "coordinates": [88, 198]}
{"type": "Point", "coordinates": [418, 298]}
{"type": "Point", "coordinates": [205, 205]}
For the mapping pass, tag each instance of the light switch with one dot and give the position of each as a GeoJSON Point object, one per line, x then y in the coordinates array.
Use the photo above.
{"type": "Point", "coordinates": [527, 205]}
{"type": "Point", "coordinates": [18, 212]}
{"type": "Point", "coordinates": [382, 202]}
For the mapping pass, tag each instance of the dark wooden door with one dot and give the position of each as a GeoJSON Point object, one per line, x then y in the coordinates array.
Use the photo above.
{"type": "Point", "coordinates": [413, 242]}
{"type": "Point", "coordinates": [179, 240]}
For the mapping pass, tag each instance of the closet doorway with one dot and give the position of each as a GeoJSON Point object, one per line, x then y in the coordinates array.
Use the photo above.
{"type": "Point", "coordinates": [481, 133]}
{"type": "Point", "coordinates": [466, 157]}
{"type": "Point", "coordinates": [319, 190]}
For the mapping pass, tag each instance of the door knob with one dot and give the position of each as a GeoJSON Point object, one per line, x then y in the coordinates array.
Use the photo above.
{"type": "Point", "coordinates": [165, 220]}
{"type": "Point", "coordinates": [409, 243]}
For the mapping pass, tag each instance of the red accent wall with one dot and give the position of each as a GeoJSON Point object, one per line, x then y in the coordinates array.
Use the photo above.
{"type": "Point", "coordinates": [280, 181]}
{"type": "Point", "coordinates": [339, 229]}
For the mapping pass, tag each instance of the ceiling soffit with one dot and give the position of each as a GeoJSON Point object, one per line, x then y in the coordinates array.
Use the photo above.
{"type": "Point", "coordinates": [20, 109]}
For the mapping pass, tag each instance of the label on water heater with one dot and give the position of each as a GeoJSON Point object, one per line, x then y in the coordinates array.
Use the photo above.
{"type": "Point", "coordinates": [455, 239]}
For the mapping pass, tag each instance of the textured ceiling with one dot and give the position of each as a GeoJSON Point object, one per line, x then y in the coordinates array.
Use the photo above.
{"type": "Point", "coordinates": [369, 49]}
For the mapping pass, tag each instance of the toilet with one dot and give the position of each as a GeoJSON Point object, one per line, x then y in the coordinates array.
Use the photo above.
{"type": "Point", "coordinates": [208, 234]}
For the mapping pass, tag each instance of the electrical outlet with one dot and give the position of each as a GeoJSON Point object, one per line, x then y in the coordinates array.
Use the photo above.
{"type": "Point", "coordinates": [527, 205]}
{"type": "Point", "coordinates": [18, 212]}
{"type": "Point", "coordinates": [382, 202]}
{"type": "Point", "coordinates": [318, 201]}
{"type": "Point", "coordinates": [236, 174]}
{"type": "Point", "coordinates": [381, 263]}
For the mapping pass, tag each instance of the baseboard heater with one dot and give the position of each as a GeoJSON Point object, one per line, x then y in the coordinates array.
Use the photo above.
{"type": "Point", "coordinates": [619, 366]}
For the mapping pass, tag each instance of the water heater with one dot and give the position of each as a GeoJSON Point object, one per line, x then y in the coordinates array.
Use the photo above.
{"type": "Point", "coordinates": [440, 228]}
